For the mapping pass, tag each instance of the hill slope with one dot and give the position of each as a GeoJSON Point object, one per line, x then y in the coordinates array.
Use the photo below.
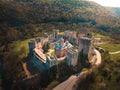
{"type": "Point", "coordinates": [114, 10]}
{"type": "Point", "coordinates": [37, 11]}
{"type": "Point", "coordinates": [21, 19]}
{"type": "Point", "coordinates": [31, 17]}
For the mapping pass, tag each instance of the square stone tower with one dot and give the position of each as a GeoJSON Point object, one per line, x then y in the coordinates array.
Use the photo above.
{"type": "Point", "coordinates": [55, 33]}
{"type": "Point", "coordinates": [31, 44]}
{"type": "Point", "coordinates": [37, 40]}
{"type": "Point", "coordinates": [85, 44]}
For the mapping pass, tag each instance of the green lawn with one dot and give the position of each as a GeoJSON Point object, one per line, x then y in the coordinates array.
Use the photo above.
{"type": "Point", "coordinates": [115, 56]}
{"type": "Point", "coordinates": [110, 47]}
{"type": "Point", "coordinates": [61, 33]}
{"type": "Point", "coordinates": [21, 44]}
{"type": "Point", "coordinates": [96, 35]}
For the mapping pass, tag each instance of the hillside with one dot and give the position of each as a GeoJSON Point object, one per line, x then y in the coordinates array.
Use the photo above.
{"type": "Point", "coordinates": [25, 19]}
{"type": "Point", "coordinates": [69, 11]}
{"type": "Point", "coordinates": [22, 19]}
{"type": "Point", "coordinates": [114, 10]}
{"type": "Point", "coordinates": [80, 12]}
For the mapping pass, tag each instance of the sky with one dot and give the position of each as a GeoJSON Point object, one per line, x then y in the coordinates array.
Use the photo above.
{"type": "Point", "coordinates": [110, 3]}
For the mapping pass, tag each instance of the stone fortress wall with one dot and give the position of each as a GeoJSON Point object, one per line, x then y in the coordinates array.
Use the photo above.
{"type": "Point", "coordinates": [79, 43]}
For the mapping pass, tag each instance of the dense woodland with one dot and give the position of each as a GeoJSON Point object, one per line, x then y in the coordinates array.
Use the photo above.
{"type": "Point", "coordinates": [105, 77]}
{"type": "Point", "coordinates": [29, 18]}
{"type": "Point", "coordinates": [22, 19]}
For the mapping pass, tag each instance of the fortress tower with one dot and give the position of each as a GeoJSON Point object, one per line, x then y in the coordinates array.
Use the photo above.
{"type": "Point", "coordinates": [46, 35]}
{"type": "Point", "coordinates": [46, 38]}
{"type": "Point", "coordinates": [55, 33]}
{"type": "Point", "coordinates": [31, 46]}
{"type": "Point", "coordinates": [70, 36]}
{"type": "Point", "coordinates": [37, 40]}
{"type": "Point", "coordinates": [72, 57]}
{"type": "Point", "coordinates": [86, 45]}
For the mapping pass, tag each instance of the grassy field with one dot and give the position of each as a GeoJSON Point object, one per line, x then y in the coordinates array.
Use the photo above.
{"type": "Point", "coordinates": [61, 33]}
{"type": "Point", "coordinates": [96, 35]}
{"type": "Point", "coordinates": [115, 56]}
{"type": "Point", "coordinates": [110, 47]}
{"type": "Point", "coordinates": [17, 46]}
{"type": "Point", "coordinates": [21, 44]}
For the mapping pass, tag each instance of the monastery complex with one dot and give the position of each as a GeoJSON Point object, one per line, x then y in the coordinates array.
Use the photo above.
{"type": "Point", "coordinates": [61, 47]}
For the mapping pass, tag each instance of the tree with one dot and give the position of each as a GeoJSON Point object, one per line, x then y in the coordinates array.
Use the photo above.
{"type": "Point", "coordinates": [23, 51]}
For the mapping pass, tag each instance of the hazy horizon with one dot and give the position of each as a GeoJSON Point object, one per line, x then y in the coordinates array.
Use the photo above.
{"type": "Point", "coordinates": [108, 3]}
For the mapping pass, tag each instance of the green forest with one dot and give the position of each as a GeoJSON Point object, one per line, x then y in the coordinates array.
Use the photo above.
{"type": "Point", "coordinates": [29, 18]}
{"type": "Point", "coordinates": [24, 19]}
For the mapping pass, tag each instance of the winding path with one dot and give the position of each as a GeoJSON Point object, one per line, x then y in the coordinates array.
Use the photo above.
{"type": "Point", "coordinates": [70, 83]}
{"type": "Point", "coordinates": [67, 85]}
{"type": "Point", "coordinates": [98, 57]}
{"type": "Point", "coordinates": [28, 74]}
{"type": "Point", "coordinates": [114, 52]}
